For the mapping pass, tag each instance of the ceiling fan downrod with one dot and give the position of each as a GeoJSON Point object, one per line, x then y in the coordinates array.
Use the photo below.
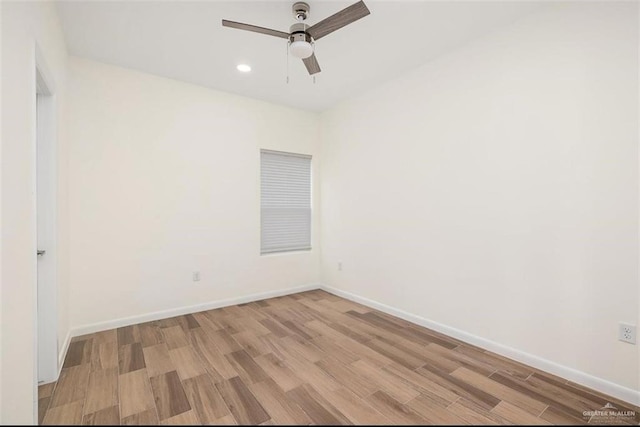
{"type": "Point", "coordinates": [301, 11]}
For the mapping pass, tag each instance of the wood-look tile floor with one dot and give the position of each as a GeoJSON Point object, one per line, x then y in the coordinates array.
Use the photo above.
{"type": "Point", "coordinates": [309, 358]}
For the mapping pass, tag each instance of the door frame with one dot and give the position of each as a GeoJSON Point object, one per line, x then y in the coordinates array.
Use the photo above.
{"type": "Point", "coordinates": [45, 199]}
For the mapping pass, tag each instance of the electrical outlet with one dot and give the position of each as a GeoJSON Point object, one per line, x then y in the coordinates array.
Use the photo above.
{"type": "Point", "coordinates": [339, 266]}
{"type": "Point", "coordinates": [196, 276]}
{"type": "Point", "coordinates": [627, 333]}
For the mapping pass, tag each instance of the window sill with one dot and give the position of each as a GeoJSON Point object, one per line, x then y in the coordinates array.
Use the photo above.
{"type": "Point", "coordinates": [295, 252]}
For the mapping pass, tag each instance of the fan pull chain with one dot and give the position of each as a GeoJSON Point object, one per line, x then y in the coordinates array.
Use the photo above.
{"type": "Point", "coordinates": [287, 62]}
{"type": "Point", "coordinates": [314, 52]}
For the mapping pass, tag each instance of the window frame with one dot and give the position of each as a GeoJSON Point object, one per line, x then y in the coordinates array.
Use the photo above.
{"type": "Point", "coordinates": [277, 252]}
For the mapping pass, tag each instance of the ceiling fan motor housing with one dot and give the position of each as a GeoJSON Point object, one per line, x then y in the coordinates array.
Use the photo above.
{"type": "Point", "coordinates": [299, 34]}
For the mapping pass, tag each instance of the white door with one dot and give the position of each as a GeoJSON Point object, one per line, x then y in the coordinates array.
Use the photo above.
{"type": "Point", "coordinates": [46, 185]}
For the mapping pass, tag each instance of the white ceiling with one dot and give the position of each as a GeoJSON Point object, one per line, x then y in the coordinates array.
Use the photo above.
{"type": "Point", "coordinates": [185, 40]}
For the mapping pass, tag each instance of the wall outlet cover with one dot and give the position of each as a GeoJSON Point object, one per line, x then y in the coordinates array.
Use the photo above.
{"type": "Point", "coordinates": [627, 333]}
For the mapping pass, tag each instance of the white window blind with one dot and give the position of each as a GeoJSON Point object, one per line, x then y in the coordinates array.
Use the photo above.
{"type": "Point", "coordinates": [285, 202]}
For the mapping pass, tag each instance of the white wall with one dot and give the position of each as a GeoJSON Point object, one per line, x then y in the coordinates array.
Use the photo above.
{"type": "Point", "coordinates": [1, 118]}
{"type": "Point", "coordinates": [24, 24]}
{"type": "Point", "coordinates": [1, 138]}
{"type": "Point", "coordinates": [638, 179]}
{"type": "Point", "coordinates": [495, 189]}
{"type": "Point", "coordinates": [164, 180]}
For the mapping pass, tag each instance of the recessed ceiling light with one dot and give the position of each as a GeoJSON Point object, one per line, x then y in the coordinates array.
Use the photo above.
{"type": "Point", "coordinates": [244, 68]}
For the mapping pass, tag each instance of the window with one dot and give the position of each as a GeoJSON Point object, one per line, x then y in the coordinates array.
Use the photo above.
{"type": "Point", "coordinates": [285, 202]}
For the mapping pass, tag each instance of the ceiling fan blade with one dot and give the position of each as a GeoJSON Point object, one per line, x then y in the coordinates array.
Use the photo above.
{"type": "Point", "coordinates": [255, 29]}
{"type": "Point", "coordinates": [338, 20]}
{"type": "Point", "coordinates": [312, 64]}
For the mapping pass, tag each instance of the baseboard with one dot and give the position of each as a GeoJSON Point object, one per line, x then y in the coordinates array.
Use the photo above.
{"type": "Point", "coordinates": [157, 315]}
{"type": "Point", "coordinates": [62, 353]}
{"type": "Point", "coordinates": [620, 392]}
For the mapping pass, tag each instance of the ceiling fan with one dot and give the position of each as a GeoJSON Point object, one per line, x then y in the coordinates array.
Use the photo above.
{"type": "Point", "coordinates": [301, 36]}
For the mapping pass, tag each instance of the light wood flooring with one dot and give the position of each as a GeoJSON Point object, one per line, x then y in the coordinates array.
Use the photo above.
{"type": "Point", "coordinates": [308, 358]}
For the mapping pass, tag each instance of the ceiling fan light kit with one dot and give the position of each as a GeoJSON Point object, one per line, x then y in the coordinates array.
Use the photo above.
{"type": "Point", "coordinates": [301, 38]}
{"type": "Point", "coordinates": [301, 49]}
{"type": "Point", "coordinates": [300, 43]}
